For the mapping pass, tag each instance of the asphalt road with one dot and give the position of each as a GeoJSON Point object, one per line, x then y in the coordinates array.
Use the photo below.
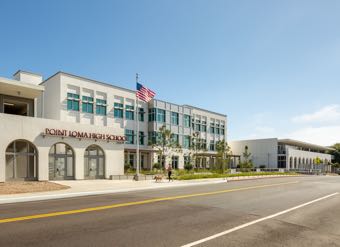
{"type": "Point", "coordinates": [295, 211]}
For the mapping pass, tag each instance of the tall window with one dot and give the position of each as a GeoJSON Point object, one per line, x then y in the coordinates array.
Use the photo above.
{"type": "Point", "coordinates": [212, 128]}
{"type": "Point", "coordinates": [187, 120]}
{"type": "Point", "coordinates": [174, 118]}
{"type": "Point", "coordinates": [186, 142]}
{"type": "Point", "coordinates": [129, 112]}
{"type": "Point", "coordinates": [174, 162]}
{"type": "Point", "coordinates": [118, 110]}
{"type": "Point", "coordinates": [141, 114]}
{"type": "Point", "coordinates": [141, 138]}
{"type": "Point", "coordinates": [198, 125]}
{"type": "Point", "coordinates": [101, 107]}
{"type": "Point", "coordinates": [175, 138]}
{"type": "Point", "coordinates": [222, 130]}
{"type": "Point", "coordinates": [72, 102]}
{"type": "Point", "coordinates": [160, 116]}
{"type": "Point", "coordinates": [130, 136]}
{"type": "Point", "coordinates": [152, 137]}
{"type": "Point", "coordinates": [87, 104]}
{"type": "Point", "coordinates": [212, 145]}
{"type": "Point", "coordinates": [217, 129]}
{"type": "Point", "coordinates": [204, 126]}
{"type": "Point", "coordinates": [152, 114]}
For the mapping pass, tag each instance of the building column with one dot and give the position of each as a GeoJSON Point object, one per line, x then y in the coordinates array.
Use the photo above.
{"type": "Point", "coordinates": [2, 164]}
{"type": "Point", "coordinates": [79, 163]}
{"type": "Point", "coordinates": [43, 163]}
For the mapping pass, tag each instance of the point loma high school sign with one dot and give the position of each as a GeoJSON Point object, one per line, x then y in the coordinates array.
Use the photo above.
{"type": "Point", "coordinates": [83, 135]}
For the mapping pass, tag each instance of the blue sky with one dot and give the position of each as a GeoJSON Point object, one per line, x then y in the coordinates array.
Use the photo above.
{"type": "Point", "coordinates": [272, 66]}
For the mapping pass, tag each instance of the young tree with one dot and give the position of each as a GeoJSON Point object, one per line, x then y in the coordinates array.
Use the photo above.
{"type": "Point", "coordinates": [247, 163]}
{"type": "Point", "coordinates": [165, 144]}
{"type": "Point", "coordinates": [335, 152]}
{"type": "Point", "coordinates": [223, 155]}
{"type": "Point", "coordinates": [196, 147]}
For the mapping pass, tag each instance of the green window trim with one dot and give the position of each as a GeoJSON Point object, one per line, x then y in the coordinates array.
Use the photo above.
{"type": "Point", "coordinates": [73, 102]}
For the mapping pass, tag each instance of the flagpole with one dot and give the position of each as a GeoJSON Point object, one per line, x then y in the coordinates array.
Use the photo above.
{"type": "Point", "coordinates": [137, 149]}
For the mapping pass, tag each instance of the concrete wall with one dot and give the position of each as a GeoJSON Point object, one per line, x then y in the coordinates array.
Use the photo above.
{"type": "Point", "coordinates": [264, 151]}
{"type": "Point", "coordinates": [28, 128]}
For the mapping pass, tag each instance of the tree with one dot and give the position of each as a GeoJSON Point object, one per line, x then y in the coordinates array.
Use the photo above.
{"type": "Point", "coordinates": [197, 146]}
{"type": "Point", "coordinates": [247, 163]}
{"type": "Point", "coordinates": [165, 144]}
{"type": "Point", "coordinates": [335, 152]}
{"type": "Point", "coordinates": [318, 161]}
{"type": "Point", "coordinates": [223, 155]}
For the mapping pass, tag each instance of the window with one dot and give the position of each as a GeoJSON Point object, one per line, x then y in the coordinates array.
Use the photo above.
{"type": "Point", "coordinates": [187, 120]}
{"type": "Point", "coordinates": [72, 102]}
{"type": "Point", "coordinates": [222, 130]}
{"type": "Point", "coordinates": [175, 138]}
{"type": "Point", "coordinates": [212, 128]}
{"type": "Point", "coordinates": [174, 162]}
{"type": "Point", "coordinates": [130, 136]}
{"type": "Point", "coordinates": [87, 104]}
{"type": "Point", "coordinates": [204, 126]}
{"type": "Point", "coordinates": [141, 114]}
{"type": "Point", "coordinates": [186, 142]}
{"type": "Point", "coordinates": [160, 116]}
{"type": "Point", "coordinates": [152, 137]}
{"type": "Point", "coordinates": [217, 131]}
{"type": "Point", "coordinates": [174, 118]}
{"type": "Point", "coordinates": [198, 125]}
{"type": "Point", "coordinates": [129, 112]}
{"type": "Point", "coordinates": [212, 146]}
{"type": "Point", "coordinates": [101, 107]}
{"type": "Point", "coordinates": [141, 137]}
{"type": "Point", "coordinates": [118, 110]}
{"type": "Point", "coordinates": [152, 114]}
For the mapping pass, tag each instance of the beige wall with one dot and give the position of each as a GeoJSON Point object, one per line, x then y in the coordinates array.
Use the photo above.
{"type": "Point", "coordinates": [26, 128]}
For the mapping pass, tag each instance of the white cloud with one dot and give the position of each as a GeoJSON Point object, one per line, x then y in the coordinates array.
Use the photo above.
{"type": "Point", "coordinates": [327, 115]}
{"type": "Point", "coordinates": [325, 135]}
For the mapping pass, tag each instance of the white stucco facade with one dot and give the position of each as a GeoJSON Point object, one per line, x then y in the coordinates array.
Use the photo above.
{"type": "Point", "coordinates": [64, 102]}
{"type": "Point", "coordinates": [282, 153]}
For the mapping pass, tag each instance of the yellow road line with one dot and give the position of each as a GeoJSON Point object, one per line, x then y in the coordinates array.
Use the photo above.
{"type": "Point", "coordinates": [126, 204]}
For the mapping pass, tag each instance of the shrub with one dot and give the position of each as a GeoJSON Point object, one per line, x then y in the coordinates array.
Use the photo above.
{"type": "Point", "coordinates": [156, 166]}
{"type": "Point", "coordinates": [188, 166]}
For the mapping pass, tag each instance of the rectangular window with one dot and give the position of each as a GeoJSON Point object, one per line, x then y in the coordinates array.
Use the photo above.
{"type": "Point", "coordinates": [141, 114]}
{"type": "Point", "coordinates": [186, 142]}
{"type": "Point", "coordinates": [141, 137]}
{"type": "Point", "coordinates": [101, 107]}
{"type": "Point", "coordinates": [212, 128]}
{"type": "Point", "coordinates": [174, 162]}
{"type": "Point", "coordinates": [222, 130]}
{"type": "Point", "coordinates": [160, 116]}
{"type": "Point", "coordinates": [118, 110]}
{"type": "Point", "coordinates": [174, 118]}
{"type": "Point", "coordinates": [152, 114]}
{"type": "Point", "coordinates": [130, 136]}
{"type": "Point", "coordinates": [152, 137]}
{"type": "Point", "coordinates": [187, 120]}
{"type": "Point", "coordinates": [212, 146]}
{"type": "Point", "coordinates": [175, 138]}
{"type": "Point", "coordinates": [72, 102]}
{"type": "Point", "coordinates": [129, 112]}
{"type": "Point", "coordinates": [87, 104]}
{"type": "Point", "coordinates": [204, 126]}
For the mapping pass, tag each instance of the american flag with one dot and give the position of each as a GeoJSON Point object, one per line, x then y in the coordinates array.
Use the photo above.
{"type": "Point", "coordinates": [144, 93]}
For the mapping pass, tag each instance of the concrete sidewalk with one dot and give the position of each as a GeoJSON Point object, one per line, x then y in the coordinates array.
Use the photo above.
{"type": "Point", "coordinates": [98, 187]}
